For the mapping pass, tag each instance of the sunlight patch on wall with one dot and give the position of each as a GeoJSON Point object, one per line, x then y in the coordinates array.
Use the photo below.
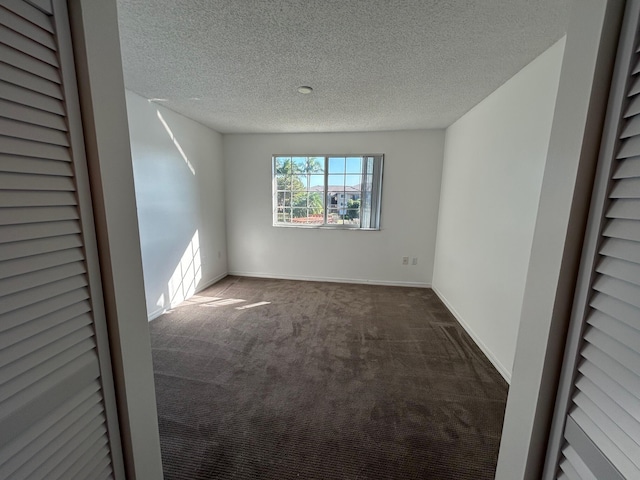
{"type": "Point", "coordinates": [188, 273]}
{"type": "Point", "coordinates": [175, 142]}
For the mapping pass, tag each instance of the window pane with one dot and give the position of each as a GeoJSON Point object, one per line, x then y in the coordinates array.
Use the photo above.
{"type": "Point", "coordinates": [315, 165]}
{"type": "Point", "coordinates": [315, 203]}
{"type": "Point", "coordinates": [283, 215]}
{"type": "Point", "coordinates": [353, 181]}
{"type": "Point", "coordinates": [283, 199]}
{"type": "Point", "coordinates": [354, 164]}
{"type": "Point", "coordinates": [353, 215]}
{"type": "Point", "coordinates": [336, 164]}
{"type": "Point", "coordinates": [299, 199]}
{"type": "Point", "coordinates": [299, 213]}
{"type": "Point", "coordinates": [300, 182]}
{"type": "Point", "coordinates": [283, 182]}
{"type": "Point", "coordinates": [280, 163]}
{"type": "Point", "coordinates": [336, 182]}
{"type": "Point", "coordinates": [315, 218]}
{"type": "Point", "coordinates": [283, 166]}
{"type": "Point", "coordinates": [299, 164]}
{"type": "Point", "coordinates": [316, 181]}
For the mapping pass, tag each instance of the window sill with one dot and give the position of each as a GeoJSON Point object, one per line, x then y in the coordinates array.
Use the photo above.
{"type": "Point", "coordinates": [327, 227]}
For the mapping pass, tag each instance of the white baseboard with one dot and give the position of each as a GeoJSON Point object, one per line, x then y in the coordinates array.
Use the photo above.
{"type": "Point", "coordinates": [155, 314]}
{"type": "Point", "coordinates": [488, 353]}
{"type": "Point", "coordinates": [389, 283]}
{"type": "Point", "coordinates": [160, 311]}
{"type": "Point", "coordinates": [211, 282]}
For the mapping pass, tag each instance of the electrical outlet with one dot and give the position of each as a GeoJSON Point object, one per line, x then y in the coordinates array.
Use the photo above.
{"type": "Point", "coordinates": [405, 260]}
{"type": "Point", "coordinates": [414, 261]}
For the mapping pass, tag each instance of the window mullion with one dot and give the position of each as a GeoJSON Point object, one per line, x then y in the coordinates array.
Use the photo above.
{"type": "Point", "coordinates": [326, 188]}
{"type": "Point", "coordinates": [363, 179]}
{"type": "Point", "coordinates": [376, 188]}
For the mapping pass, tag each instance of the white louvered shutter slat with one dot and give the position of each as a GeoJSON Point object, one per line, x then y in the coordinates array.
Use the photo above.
{"type": "Point", "coordinates": [628, 168]}
{"type": "Point", "coordinates": [625, 209]}
{"type": "Point", "coordinates": [41, 277]}
{"type": "Point", "coordinates": [611, 387]}
{"type": "Point", "coordinates": [16, 76]}
{"type": "Point", "coordinates": [35, 341]}
{"type": "Point", "coordinates": [17, 467]}
{"type": "Point", "coordinates": [18, 24]}
{"type": "Point", "coordinates": [19, 146]}
{"type": "Point", "coordinates": [57, 399]}
{"type": "Point", "coordinates": [14, 216]}
{"type": "Point", "coordinates": [618, 248]}
{"type": "Point", "coordinates": [620, 331]}
{"type": "Point", "coordinates": [26, 45]}
{"type": "Point", "coordinates": [620, 269]}
{"type": "Point", "coordinates": [16, 164]}
{"type": "Point", "coordinates": [97, 464]}
{"type": "Point", "coordinates": [80, 409]}
{"type": "Point", "coordinates": [9, 251]}
{"type": "Point", "coordinates": [619, 289]}
{"type": "Point", "coordinates": [623, 229]}
{"type": "Point", "coordinates": [28, 12]}
{"type": "Point", "coordinates": [34, 295]}
{"type": "Point", "coordinates": [632, 127]}
{"type": "Point", "coordinates": [34, 263]}
{"type": "Point", "coordinates": [598, 415]}
{"type": "Point", "coordinates": [30, 231]}
{"type": "Point", "coordinates": [22, 332]}
{"type": "Point", "coordinates": [29, 98]}
{"type": "Point", "coordinates": [47, 183]}
{"type": "Point", "coordinates": [36, 199]}
{"type": "Point", "coordinates": [12, 128]}
{"type": "Point", "coordinates": [579, 467]}
{"type": "Point", "coordinates": [32, 65]}
{"type": "Point", "coordinates": [38, 309]}
{"type": "Point", "coordinates": [31, 115]}
{"type": "Point", "coordinates": [72, 447]}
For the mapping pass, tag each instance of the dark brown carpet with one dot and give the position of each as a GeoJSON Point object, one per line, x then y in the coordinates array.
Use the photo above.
{"type": "Point", "coordinates": [326, 381]}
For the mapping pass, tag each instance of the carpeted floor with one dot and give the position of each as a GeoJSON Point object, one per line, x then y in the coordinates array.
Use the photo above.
{"type": "Point", "coordinates": [277, 379]}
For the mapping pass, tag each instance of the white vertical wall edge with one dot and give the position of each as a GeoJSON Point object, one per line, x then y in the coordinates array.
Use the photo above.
{"type": "Point", "coordinates": [592, 38]}
{"type": "Point", "coordinates": [94, 27]}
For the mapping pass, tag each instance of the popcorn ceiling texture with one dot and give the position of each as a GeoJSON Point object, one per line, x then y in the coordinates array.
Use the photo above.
{"type": "Point", "coordinates": [235, 65]}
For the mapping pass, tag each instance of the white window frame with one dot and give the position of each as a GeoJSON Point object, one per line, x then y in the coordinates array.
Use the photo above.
{"type": "Point", "coordinates": [376, 192]}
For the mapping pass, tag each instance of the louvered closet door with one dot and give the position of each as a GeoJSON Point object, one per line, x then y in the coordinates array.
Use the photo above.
{"type": "Point", "coordinates": [598, 415]}
{"type": "Point", "coordinates": [57, 409]}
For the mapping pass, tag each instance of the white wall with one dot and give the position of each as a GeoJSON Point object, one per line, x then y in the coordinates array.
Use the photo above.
{"type": "Point", "coordinates": [410, 194]}
{"type": "Point", "coordinates": [492, 175]}
{"type": "Point", "coordinates": [179, 183]}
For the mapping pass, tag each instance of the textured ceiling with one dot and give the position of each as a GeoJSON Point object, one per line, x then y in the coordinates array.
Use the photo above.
{"type": "Point", "coordinates": [235, 65]}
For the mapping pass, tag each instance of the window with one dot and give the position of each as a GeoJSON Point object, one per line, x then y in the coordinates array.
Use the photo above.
{"type": "Point", "coordinates": [341, 191]}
